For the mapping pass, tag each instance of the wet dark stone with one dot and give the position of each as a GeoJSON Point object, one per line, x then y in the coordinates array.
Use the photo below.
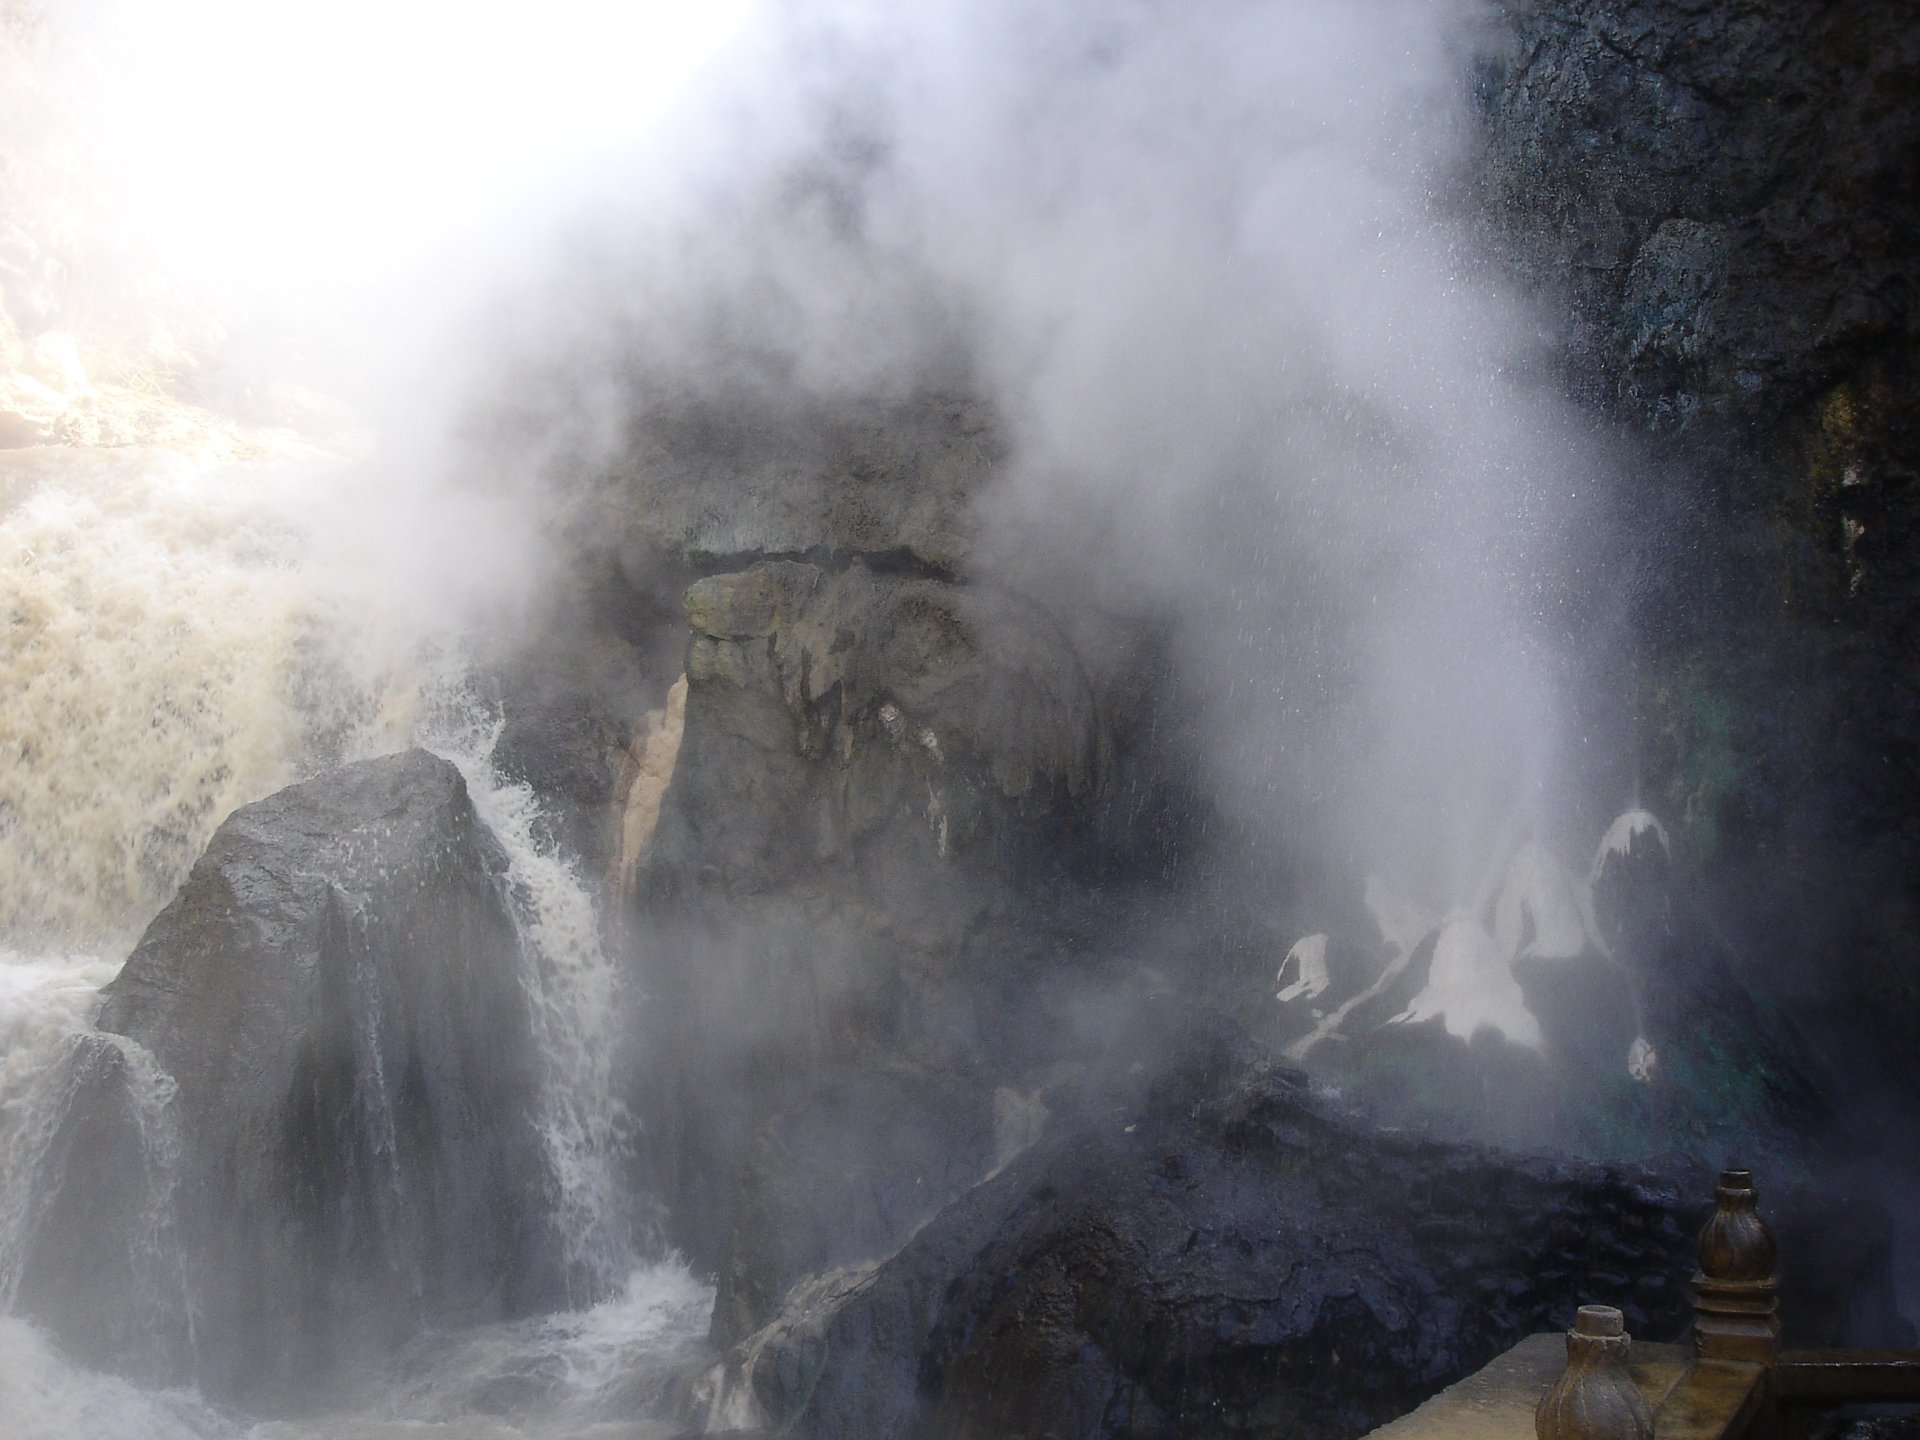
{"type": "Point", "coordinates": [335, 991]}
{"type": "Point", "coordinates": [1227, 1258]}
{"type": "Point", "coordinates": [881, 770]}
{"type": "Point", "coordinates": [843, 1173]}
{"type": "Point", "coordinates": [1873, 1427]}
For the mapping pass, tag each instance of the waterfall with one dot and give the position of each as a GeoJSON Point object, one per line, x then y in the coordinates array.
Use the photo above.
{"type": "Point", "coordinates": [573, 991]}
{"type": "Point", "coordinates": [171, 653]}
{"type": "Point", "coordinates": [638, 1320]}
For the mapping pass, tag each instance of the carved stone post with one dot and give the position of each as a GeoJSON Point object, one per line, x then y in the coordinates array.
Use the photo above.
{"type": "Point", "coordinates": [1595, 1398]}
{"type": "Point", "coordinates": [1736, 1308]}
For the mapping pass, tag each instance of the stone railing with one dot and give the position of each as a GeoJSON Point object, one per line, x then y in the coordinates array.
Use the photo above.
{"type": "Point", "coordinates": [1732, 1381]}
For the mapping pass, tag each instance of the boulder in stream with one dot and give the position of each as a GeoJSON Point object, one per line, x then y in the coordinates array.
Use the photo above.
{"type": "Point", "coordinates": [334, 1004]}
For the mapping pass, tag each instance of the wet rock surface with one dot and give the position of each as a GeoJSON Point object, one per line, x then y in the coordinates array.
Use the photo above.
{"type": "Point", "coordinates": [1888, 1427]}
{"type": "Point", "coordinates": [569, 709]}
{"type": "Point", "coordinates": [1219, 1247]}
{"type": "Point", "coordinates": [334, 999]}
{"type": "Point", "coordinates": [840, 1176]}
{"type": "Point", "coordinates": [1214, 1257]}
{"type": "Point", "coordinates": [887, 726]}
{"type": "Point", "coordinates": [1718, 191]}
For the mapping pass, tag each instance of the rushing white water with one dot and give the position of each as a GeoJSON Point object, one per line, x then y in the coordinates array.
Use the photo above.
{"type": "Point", "coordinates": [169, 656]}
{"type": "Point", "coordinates": [584, 1373]}
{"type": "Point", "coordinates": [44, 1004]}
{"type": "Point", "coordinates": [573, 987]}
{"type": "Point", "coordinates": [46, 1397]}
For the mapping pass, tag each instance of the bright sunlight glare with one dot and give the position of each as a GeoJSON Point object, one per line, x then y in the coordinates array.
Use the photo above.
{"type": "Point", "coordinates": [256, 148]}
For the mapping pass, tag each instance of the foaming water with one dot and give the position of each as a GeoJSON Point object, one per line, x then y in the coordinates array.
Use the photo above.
{"type": "Point", "coordinates": [170, 655]}
{"type": "Point", "coordinates": [578, 1374]}
{"type": "Point", "coordinates": [49, 1057]}
{"type": "Point", "coordinates": [574, 989]}
{"type": "Point", "coordinates": [45, 1003]}
{"type": "Point", "coordinates": [45, 1397]}
{"type": "Point", "coordinates": [573, 1376]}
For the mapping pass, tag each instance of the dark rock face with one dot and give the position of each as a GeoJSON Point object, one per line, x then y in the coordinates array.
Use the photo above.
{"type": "Point", "coordinates": [1720, 199]}
{"type": "Point", "coordinates": [1229, 1258]}
{"type": "Point", "coordinates": [574, 692]}
{"type": "Point", "coordinates": [335, 996]}
{"type": "Point", "coordinates": [742, 475]}
{"type": "Point", "coordinates": [569, 708]}
{"type": "Point", "coordinates": [1723, 192]}
{"type": "Point", "coordinates": [895, 726]}
{"type": "Point", "coordinates": [1903, 1427]}
{"type": "Point", "coordinates": [839, 1176]}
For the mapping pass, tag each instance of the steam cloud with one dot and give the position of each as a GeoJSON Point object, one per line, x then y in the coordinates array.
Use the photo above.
{"type": "Point", "coordinates": [1208, 264]}
{"type": "Point", "coordinates": [1214, 270]}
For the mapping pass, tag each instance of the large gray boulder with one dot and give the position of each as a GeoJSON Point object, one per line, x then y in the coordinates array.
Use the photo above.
{"type": "Point", "coordinates": [350, 1146]}
{"type": "Point", "coordinates": [1213, 1247]}
{"type": "Point", "coordinates": [1218, 1253]}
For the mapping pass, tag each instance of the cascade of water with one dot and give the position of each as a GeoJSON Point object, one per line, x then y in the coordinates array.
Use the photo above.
{"type": "Point", "coordinates": [643, 1316]}
{"type": "Point", "coordinates": [170, 656]}
{"type": "Point", "coordinates": [44, 1005]}
{"type": "Point", "coordinates": [574, 990]}
{"type": "Point", "coordinates": [67, 1087]}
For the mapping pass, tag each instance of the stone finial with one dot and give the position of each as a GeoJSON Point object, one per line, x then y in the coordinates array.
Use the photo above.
{"type": "Point", "coordinates": [1736, 1298]}
{"type": "Point", "coordinates": [1595, 1397]}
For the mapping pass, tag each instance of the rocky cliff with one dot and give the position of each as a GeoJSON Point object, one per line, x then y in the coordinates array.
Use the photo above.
{"type": "Point", "coordinates": [1719, 202]}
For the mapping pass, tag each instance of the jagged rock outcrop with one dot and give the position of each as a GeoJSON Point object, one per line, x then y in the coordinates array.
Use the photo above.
{"type": "Point", "coordinates": [350, 1096]}
{"type": "Point", "coordinates": [1722, 194]}
{"type": "Point", "coordinates": [894, 729]}
{"type": "Point", "coordinates": [1219, 1254]}
{"type": "Point", "coordinates": [1213, 1247]}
